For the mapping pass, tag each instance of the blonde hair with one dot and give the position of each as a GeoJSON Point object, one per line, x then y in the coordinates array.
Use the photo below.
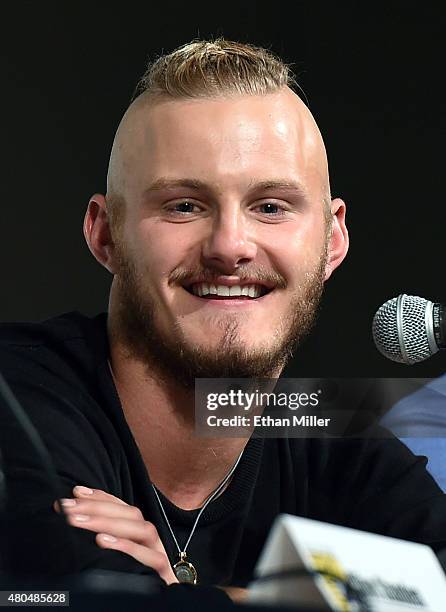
{"type": "Point", "coordinates": [216, 68]}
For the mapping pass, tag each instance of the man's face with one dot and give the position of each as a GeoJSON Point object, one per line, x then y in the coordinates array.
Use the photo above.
{"type": "Point", "coordinates": [221, 256]}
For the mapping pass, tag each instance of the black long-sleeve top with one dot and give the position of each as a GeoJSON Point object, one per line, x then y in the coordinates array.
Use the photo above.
{"type": "Point", "coordinates": [58, 370]}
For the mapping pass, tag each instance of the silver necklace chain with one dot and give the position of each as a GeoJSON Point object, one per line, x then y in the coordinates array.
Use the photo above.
{"type": "Point", "coordinates": [207, 500]}
{"type": "Point", "coordinates": [202, 509]}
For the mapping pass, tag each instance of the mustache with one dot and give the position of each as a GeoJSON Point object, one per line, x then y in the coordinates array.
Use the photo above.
{"type": "Point", "coordinates": [183, 276]}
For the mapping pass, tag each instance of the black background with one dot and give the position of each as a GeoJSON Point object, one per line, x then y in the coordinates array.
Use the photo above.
{"type": "Point", "coordinates": [373, 75]}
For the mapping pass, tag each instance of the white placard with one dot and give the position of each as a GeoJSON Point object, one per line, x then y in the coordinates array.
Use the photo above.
{"type": "Point", "coordinates": [392, 575]}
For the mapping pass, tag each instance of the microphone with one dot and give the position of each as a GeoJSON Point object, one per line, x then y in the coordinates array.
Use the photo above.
{"type": "Point", "coordinates": [409, 329]}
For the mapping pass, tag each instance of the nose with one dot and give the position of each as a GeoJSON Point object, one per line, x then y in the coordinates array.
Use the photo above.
{"type": "Point", "coordinates": [228, 245]}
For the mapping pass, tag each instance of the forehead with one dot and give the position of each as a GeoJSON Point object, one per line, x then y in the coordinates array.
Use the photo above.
{"type": "Point", "coordinates": [228, 142]}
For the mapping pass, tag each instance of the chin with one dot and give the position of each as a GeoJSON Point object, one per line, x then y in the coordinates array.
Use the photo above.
{"type": "Point", "coordinates": [239, 349]}
{"type": "Point", "coordinates": [214, 340]}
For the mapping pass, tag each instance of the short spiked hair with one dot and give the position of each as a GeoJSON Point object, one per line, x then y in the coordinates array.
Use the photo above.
{"type": "Point", "coordinates": [203, 69]}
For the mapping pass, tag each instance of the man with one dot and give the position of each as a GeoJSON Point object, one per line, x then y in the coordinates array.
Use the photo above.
{"type": "Point", "coordinates": [219, 231]}
{"type": "Point", "coordinates": [419, 421]}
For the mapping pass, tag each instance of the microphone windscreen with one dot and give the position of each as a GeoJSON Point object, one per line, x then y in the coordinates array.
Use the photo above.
{"type": "Point", "coordinates": [403, 329]}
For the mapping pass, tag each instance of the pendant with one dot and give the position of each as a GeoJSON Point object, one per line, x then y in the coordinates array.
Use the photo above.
{"type": "Point", "coordinates": [185, 571]}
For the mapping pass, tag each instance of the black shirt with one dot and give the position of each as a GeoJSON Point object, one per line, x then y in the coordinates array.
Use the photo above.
{"type": "Point", "coordinates": [58, 370]}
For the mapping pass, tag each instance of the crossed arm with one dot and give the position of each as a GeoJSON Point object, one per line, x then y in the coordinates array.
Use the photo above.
{"type": "Point", "coordinates": [119, 526]}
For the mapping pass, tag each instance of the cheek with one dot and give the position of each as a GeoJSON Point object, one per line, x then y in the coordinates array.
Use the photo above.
{"type": "Point", "coordinates": [161, 247]}
{"type": "Point", "coordinates": [299, 248]}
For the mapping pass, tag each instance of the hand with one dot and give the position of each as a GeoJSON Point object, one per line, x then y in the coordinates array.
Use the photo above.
{"type": "Point", "coordinates": [237, 594]}
{"type": "Point", "coordinates": [118, 526]}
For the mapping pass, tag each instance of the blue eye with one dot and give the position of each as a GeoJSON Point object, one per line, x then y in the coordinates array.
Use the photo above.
{"type": "Point", "coordinates": [270, 208]}
{"type": "Point", "coordinates": [185, 207]}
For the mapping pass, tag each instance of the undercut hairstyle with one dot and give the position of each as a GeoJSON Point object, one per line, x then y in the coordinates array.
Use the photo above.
{"type": "Point", "coordinates": [211, 69]}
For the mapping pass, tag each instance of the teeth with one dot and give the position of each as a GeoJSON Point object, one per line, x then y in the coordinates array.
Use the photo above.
{"type": "Point", "coordinates": [202, 289]}
{"type": "Point", "coordinates": [236, 290]}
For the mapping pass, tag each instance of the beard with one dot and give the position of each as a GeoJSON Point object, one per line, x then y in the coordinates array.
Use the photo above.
{"type": "Point", "coordinates": [173, 358]}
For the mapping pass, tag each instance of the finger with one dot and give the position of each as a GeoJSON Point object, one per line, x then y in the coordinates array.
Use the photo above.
{"type": "Point", "coordinates": [141, 532]}
{"type": "Point", "coordinates": [86, 492]}
{"type": "Point", "coordinates": [101, 508]}
{"type": "Point", "coordinates": [237, 594]}
{"type": "Point", "coordinates": [148, 557]}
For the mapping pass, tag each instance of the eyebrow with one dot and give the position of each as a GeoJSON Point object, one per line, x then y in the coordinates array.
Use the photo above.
{"type": "Point", "coordinates": [165, 184]}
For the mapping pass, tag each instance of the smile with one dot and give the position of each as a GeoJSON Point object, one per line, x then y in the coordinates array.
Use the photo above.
{"type": "Point", "coordinates": [241, 292]}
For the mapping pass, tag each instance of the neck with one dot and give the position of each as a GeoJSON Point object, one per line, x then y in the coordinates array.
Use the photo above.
{"type": "Point", "coordinates": [184, 467]}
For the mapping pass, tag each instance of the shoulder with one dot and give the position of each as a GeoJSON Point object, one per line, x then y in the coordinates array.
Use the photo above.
{"type": "Point", "coordinates": [62, 345]}
{"type": "Point", "coordinates": [54, 369]}
{"type": "Point", "coordinates": [60, 329]}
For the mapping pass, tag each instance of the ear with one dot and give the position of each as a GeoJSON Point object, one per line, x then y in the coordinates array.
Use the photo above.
{"type": "Point", "coordinates": [97, 232]}
{"type": "Point", "coordinates": [338, 244]}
